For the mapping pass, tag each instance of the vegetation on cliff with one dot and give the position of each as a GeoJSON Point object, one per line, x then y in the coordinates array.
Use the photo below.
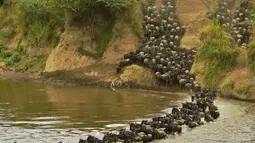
{"type": "Point", "coordinates": [32, 24]}
{"type": "Point", "coordinates": [215, 54]}
{"type": "Point", "coordinates": [251, 46]}
{"type": "Point", "coordinates": [251, 55]}
{"type": "Point", "coordinates": [221, 65]}
{"type": "Point", "coordinates": [43, 20]}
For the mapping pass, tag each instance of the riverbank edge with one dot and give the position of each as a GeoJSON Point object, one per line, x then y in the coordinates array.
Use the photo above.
{"type": "Point", "coordinates": [53, 78]}
{"type": "Point", "coordinates": [57, 78]}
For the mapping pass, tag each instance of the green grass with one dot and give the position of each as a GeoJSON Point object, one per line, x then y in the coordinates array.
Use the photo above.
{"type": "Point", "coordinates": [216, 53]}
{"type": "Point", "coordinates": [134, 18]}
{"type": "Point", "coordinates": [42, 21]}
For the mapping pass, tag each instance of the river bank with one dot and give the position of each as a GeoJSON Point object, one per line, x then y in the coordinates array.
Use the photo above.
{"type": "Point", "coordinates": [65, 79]}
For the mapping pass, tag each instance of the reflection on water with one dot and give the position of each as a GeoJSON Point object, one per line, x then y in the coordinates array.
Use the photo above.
{"type": "Point", "coordinates": [41, 108]}
{"type": "Point", "coordinates": [38, 113]}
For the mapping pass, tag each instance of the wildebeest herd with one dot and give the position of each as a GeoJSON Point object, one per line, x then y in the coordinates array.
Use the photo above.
{"type": "Point", "coordinates": [161, 50]}
{"type": "Point", "coordinates": [237, 23]}
{"type": "Point", "coordinates": [171, 64]}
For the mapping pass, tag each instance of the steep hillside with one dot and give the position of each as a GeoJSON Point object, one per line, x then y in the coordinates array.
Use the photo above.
{"type": "Point", "coordinates": [85, 40]}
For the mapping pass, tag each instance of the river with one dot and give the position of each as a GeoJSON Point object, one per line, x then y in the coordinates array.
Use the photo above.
{"type": "Point", "coordinates": [31, 112]}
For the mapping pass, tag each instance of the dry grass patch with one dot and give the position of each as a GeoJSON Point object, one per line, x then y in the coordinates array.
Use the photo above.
{"type": "Point", "coordinates": [139, 75]}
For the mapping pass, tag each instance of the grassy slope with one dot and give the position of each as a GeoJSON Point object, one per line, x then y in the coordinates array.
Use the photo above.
{"type": "Point", "coordinates": [220, 65]}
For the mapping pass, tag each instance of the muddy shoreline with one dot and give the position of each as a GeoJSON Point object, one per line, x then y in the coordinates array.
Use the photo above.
{"type": "Point", "coordinates": [61, 78]}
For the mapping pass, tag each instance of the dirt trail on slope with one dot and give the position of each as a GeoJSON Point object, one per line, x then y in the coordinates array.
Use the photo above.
{"type": "Point", "coordinates": [158, 3]}
{"type": "Point", "coordinates": [192, 14]}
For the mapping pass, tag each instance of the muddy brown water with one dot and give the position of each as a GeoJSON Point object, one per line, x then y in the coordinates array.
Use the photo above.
{"type": "Point", "coordinates": [38, 113]}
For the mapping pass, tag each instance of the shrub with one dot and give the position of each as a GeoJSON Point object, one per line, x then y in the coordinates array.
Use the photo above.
{"type": "Point", "coordinates": [12, 60]}
{"type": "Point", "coordinates": [42, 20]}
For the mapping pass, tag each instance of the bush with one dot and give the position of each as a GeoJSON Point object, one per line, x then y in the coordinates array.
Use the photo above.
{"type": "Point", "coordinates": [216, 53]}
{"type": "Point", "coordinates": [12, 60]}
{"type": "Point", "coordinates": [41, 20]}
{"type": "Point", "coordinates": [9, 58]}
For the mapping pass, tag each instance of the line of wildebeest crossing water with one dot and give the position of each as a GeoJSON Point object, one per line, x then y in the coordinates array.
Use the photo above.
{"type": "Point", "coordinates": [171, 64]}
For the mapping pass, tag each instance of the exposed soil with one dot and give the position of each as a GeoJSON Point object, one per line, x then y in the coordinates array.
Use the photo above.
{"type": "Point", "coordinates": [192, 14]}
{"type": "Point", "coordinates": [243, 85]}
{"type": "Point", "coordinates": [159, 3]}
{"type": "Point", "coordinates": [66, 56]}
{"type": "Point", "coordinates": [124, 44]}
